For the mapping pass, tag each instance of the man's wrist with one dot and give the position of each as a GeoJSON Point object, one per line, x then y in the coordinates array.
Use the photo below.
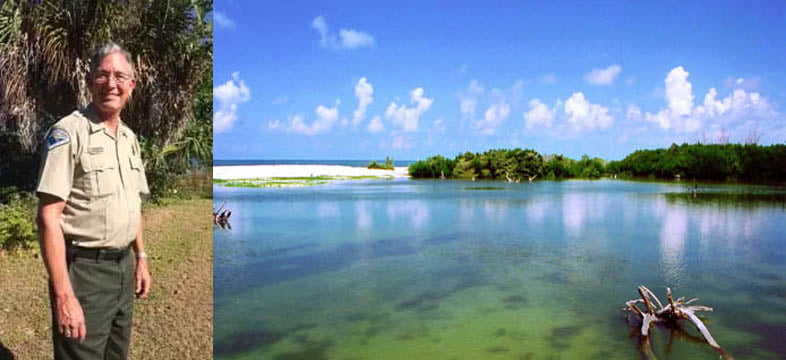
{"type": "Point", "coordinates": [141, 255]}
{"type": "Point", "coordinates": [64, 296]}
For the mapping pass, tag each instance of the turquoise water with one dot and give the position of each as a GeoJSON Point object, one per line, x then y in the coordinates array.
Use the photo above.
{"type": "Point", "coordinates": [406, 269]}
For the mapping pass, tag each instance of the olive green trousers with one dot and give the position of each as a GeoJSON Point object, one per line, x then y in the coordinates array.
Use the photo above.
{"type": "Point", "coordinates": [105, 289]}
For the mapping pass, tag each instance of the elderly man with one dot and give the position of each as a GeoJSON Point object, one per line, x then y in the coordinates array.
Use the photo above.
{"type": "Point", "coordinates": [89, 217]}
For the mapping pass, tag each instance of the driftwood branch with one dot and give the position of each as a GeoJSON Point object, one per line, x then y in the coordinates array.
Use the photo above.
{"type": "Point", "coordinates": [221, 218]}
{"type": "Point", "coordinates": [674, 310]}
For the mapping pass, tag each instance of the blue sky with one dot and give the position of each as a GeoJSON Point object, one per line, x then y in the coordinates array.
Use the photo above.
{"type": "Point", "coordinates": [412, 79]}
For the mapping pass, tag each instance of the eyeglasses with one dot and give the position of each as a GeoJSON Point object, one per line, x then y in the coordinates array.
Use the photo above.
{"type": "Point", "coordinates": [120, 78]}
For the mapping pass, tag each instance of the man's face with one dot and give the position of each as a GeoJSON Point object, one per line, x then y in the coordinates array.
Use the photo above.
{"type": "Point", "coordinates": [111, 84]}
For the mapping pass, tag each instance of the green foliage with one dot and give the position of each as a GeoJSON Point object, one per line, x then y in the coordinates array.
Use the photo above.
{"type": "Point", "coordinates": [516, 164]}
{"type": "Point", "coordinates": [161, 174]}
{"type": "Point", "coordinates": [559, 167]}
{"type": "Point", "coordinates": [387, 166]}
{"type": "Point", "coordinates": [195, 146]}
{"type": "Point", "coordinates": [17, 213]}
{"type": "Point", "coordinates": [464, 169]}
{"type": "Point", "coordinates": [45, 50]}
{"type": "Point", "coordinates": [589, 168]}
{"type": "Point", "coordinates": [175, 170]}
{"type": "Point", "coordinates": [433, 167]}
{"type": "Point", "coordinates": [735, 162]}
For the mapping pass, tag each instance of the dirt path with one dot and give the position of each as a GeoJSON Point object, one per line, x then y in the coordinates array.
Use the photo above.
{"type": "Point", "coordinates": [174, 322]}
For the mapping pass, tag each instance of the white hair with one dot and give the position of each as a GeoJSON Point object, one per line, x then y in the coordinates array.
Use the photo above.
{"type": "Point", "coordinates": [105, 50]}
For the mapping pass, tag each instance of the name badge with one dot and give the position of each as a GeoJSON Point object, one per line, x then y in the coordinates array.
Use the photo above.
{"type": "Point", "coordinates": [95, 150]}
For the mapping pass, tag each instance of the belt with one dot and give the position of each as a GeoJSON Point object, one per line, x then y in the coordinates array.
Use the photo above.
{"type": "Point", "coordinates": [98, 253]}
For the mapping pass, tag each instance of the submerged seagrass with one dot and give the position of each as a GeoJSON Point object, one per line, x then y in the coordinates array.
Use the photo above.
{"type": "Point", "coordinates": [414, 269]}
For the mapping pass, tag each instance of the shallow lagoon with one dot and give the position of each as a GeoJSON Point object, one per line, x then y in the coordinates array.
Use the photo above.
{"type": "Point", "coordinates": [405, 269]}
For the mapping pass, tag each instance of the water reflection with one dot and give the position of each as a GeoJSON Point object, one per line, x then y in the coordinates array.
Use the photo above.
{"type": "Point", "coordinates": [328, 210]}
{"type": "Point", "coordinates": [496, 211]}
{"type": "Point", "coordinates": [536, 211]}
{"type": "Point", "coordinates": [415, 211]}
{"type": "Point", "coordinates": [363, 218]}
{"type": "Point", "coordinates": [573, 213]}
{"type": "Point", "coordinates": [466, 213]}
{"type": "Point", "coordinates": [578, 209]}
{"type": "Point", "coordinates": [673, 231]}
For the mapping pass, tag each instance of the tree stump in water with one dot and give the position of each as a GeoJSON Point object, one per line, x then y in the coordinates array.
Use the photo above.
{"type": "Point", "coordinates": [669, 314]}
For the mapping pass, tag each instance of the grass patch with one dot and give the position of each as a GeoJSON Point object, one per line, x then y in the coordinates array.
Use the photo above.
{"type": "Point", "coordinates": [273, 184]}
{"type": "Point", "coordinates": [281, 182]}
{"type": "Point", "coordinates": [304, 178]}
{"type": "Point", "coordinates": [174, 322]}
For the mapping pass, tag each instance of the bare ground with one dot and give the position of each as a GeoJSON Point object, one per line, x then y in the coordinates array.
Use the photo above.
{"type": "Point", "coordinates": [174, 322]}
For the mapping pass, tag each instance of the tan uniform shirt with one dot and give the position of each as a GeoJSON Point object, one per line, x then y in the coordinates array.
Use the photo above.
{"type": "Point", "coordinates": [100, 177]}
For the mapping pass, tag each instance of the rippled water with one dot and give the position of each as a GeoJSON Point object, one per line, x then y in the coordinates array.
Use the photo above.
{"type": "Point", "coordinates": [405, 269]}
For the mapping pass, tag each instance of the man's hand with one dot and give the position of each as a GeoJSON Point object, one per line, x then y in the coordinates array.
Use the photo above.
{"type": "Point", "coordinates": [142, 276]}
{"type": "Point", "coordinates": [70, 318]}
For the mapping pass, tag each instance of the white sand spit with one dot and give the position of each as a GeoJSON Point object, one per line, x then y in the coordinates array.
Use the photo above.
{"type": "Point", "coordinates": [269, 171]}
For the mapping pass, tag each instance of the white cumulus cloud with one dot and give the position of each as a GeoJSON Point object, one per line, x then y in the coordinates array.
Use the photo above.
{"type": "Point", "coordinates": [320, 25]}
{"type": "Point", "coordinates": [633, 112]}
{"type": "Point", "coordinates": [326, 118]}
{"type": "Point", "coordinates": [493, 117]}
{"type": "Point", "coordinates": [346, 39]}
{"type": "Point", "coordinates": [679, 92]}
{"type": "Point", "coordinates": [603, 76]}
{"type": "Point", "coordinates": [364, 92]}
{"type": "Point", "coordinates": [351, 39]}
{"type": "Point", "coordinates": [682, 116]}
{"type": "Point", "coordinates": [375, 126]}
{"type": "Point", "coordinates": [401, 142]}
{"type": "Point", "coordinates": [228, 96]}
{"type": "Point", "coordinates": [584, 115]}
{"type": "Point", "coordinates": [407, 117]}
{"type": "Point", "coordinates": [539, 114]}
{"type": "Point", "coordinates": [223, 21]}
{"type": "Point", "coordinates": [497, 104]}
{"type": "Point", "coordinates": [468, 100]}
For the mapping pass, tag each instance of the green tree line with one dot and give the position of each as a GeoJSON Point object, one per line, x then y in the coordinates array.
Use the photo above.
{"type": "Point", "coordinates": [725, 162]}
{"type": "Point", "coordinates": [507, 164]}
{"type": "Point", "coordinates": [732, 162]}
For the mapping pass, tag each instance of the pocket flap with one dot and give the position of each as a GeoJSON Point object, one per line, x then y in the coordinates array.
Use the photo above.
{"type": "Point", "coordinates": [96, 163]}
{"type": "Point", "coordinates": [136, 163]}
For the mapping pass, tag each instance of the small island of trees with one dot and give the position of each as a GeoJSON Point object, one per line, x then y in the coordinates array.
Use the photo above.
{"type": "Point", "coordinates": [717, 162]}
{"type": "Point", "coordinates": [387, 166]}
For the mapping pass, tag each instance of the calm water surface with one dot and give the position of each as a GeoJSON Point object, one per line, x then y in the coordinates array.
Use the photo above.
{"type": "Point", "coordinates": [405, 269]}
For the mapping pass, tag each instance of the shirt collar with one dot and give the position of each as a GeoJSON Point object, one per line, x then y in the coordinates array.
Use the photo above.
{"type": "Point", "coordinates": [98, 125]}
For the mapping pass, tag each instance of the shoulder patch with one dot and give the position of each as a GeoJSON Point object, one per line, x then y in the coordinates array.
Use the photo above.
{"type": "Point", "coordinates": [56, 138]}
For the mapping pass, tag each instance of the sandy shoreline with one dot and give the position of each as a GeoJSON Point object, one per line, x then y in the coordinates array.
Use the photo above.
{"type": "Point", "coordinates": [269, 171]}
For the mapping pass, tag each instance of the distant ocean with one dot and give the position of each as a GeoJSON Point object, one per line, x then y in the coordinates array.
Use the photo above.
{"type": "Point", "coordinates": [359, 163]}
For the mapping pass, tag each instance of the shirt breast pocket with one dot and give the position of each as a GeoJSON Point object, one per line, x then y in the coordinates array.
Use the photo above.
{"type": "Point", "coordinates": [136, 171]}
{"type": "Point", "coordinates": [99, 175]}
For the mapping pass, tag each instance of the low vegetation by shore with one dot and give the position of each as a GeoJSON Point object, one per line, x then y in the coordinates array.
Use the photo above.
{"type": "Point", "coordinates": [388, 165]}
{"type": "Point", "coordinates": [174, 322]}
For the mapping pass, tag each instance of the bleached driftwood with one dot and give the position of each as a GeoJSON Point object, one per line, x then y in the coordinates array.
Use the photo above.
{"type": "Point", "coordinates": [221, 218]}
{"type": "Point", "coordinates": [669, 314]}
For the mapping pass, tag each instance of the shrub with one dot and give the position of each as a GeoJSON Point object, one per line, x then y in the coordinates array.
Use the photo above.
{"type": "Point", "coordinates": [18, 229]}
